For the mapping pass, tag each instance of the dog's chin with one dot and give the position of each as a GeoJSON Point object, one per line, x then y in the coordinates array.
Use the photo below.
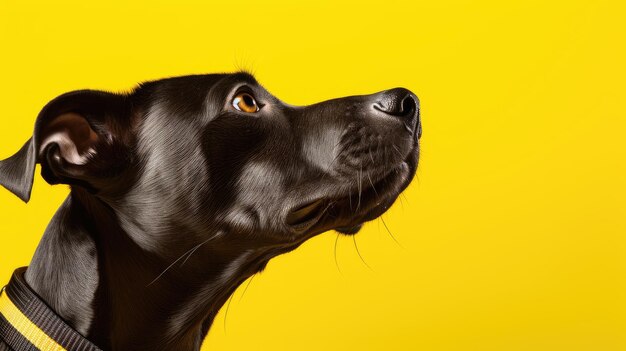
{"type": "Point", "coordinates": [348, 212]}
{"type": "Point", "coordinates": [371, 202]}
{"type": "Point", "coordinates": [350, 230]}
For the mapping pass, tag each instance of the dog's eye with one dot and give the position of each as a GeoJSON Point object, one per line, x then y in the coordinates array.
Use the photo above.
{"type": "Point", "coordinates": [245, 102]}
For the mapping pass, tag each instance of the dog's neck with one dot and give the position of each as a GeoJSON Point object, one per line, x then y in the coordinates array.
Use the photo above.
{"type": "Point", "coordinates": [105, 285]}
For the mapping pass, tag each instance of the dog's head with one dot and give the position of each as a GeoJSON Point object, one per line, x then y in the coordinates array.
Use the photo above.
{"type": "Point", "coordinates": [193, 158]}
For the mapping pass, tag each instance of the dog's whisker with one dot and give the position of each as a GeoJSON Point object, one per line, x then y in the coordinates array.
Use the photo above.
{"type": "Point", "coordinates": [359, 252]}
{"type": "Point", "coordinates": [247, 285]}
{"type": "Point", "coordinates": [230, 299]}
{"type": "Point", "coordinates": [405, 198]}
{"type": "Point", "coordinates": [330, 167]}
{"type": "Point", "coordinates": [330, 213]}
{"type": "Point", "coordinates": [360, 188]}
{"type": "Point", "coordinates": [389, 231]}
{"type": "Point", "coordinates": [188, 254]}
{"type": "Point", "coordinates": [398, 151]}
{"type": "Point", "coordinates": [335, 250]}
{"type": "Point", "coordinates": [372, 184]}
{"type": "Point", "coordinates": [350, 198]}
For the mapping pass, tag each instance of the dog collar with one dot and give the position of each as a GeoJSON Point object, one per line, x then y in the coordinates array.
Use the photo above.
{"type": "Point", "coordinates": [28, 324]}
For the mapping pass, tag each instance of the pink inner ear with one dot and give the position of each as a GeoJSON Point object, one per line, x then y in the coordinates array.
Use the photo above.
{"type": "Point", "coordinates": [73, 135]}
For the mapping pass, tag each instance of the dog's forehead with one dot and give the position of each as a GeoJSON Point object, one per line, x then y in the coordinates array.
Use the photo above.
{"type": "Point", "coordinates": [189, 95]}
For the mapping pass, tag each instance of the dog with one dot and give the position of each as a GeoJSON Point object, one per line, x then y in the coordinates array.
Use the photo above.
{"type": "Point", "coordinates": [187, 186]}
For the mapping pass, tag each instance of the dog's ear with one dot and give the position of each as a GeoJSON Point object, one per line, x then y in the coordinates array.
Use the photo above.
{"type": "Point", "coordinates": [17, 171]}
{"type": "Point", "coordinates": [76, 140]}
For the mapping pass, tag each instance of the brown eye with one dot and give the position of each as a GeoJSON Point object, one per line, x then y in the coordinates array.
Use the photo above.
{"type": "Point", "coordinates": [245, 102]}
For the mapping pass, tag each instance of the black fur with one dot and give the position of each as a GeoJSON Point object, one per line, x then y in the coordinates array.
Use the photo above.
{"type": "Point", "coordinates": [183, 197]}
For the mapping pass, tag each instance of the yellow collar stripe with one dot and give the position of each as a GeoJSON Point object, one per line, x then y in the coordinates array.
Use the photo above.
{"type": "Point", "coordinates": [27, 323]}
{"type": "Point", "coordinates": [24, 326]}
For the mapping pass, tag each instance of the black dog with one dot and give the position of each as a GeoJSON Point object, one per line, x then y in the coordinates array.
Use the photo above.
{"type": "Point", "coordinates": [187, 186]}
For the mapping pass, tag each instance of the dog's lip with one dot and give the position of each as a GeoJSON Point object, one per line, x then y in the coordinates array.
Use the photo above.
{"type": "Point", "coordinates": [306, 214]}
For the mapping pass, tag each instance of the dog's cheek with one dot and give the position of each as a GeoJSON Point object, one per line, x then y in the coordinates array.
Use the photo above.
{"type": "Point", "coordinates": [244, 218]}
{"type": "Point", "coordinates": [258, 192]}
{"type": "Point", "coordinates": [320, 146]}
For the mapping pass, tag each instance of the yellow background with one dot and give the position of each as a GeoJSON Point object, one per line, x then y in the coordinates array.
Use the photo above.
{"type": "Point", "coordinates": [513, 234]}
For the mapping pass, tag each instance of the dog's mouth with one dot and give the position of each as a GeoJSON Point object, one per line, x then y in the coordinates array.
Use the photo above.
{"type": "Point", "coordinates": [346, 213]}
{"type": "Point", "coordinates": [308, 214]}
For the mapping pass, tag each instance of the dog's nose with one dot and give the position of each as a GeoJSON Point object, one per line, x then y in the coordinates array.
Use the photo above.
{"type": "Point", "coordinates": [401, 103]}
{"type": "Point", "coordinates": [398, 102]}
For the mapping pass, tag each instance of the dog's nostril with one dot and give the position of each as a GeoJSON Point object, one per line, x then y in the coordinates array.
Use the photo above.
{"type": "Point", "coordinates": [398, 102]}
{"type": "Point", "coordinates": [408, 106]}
